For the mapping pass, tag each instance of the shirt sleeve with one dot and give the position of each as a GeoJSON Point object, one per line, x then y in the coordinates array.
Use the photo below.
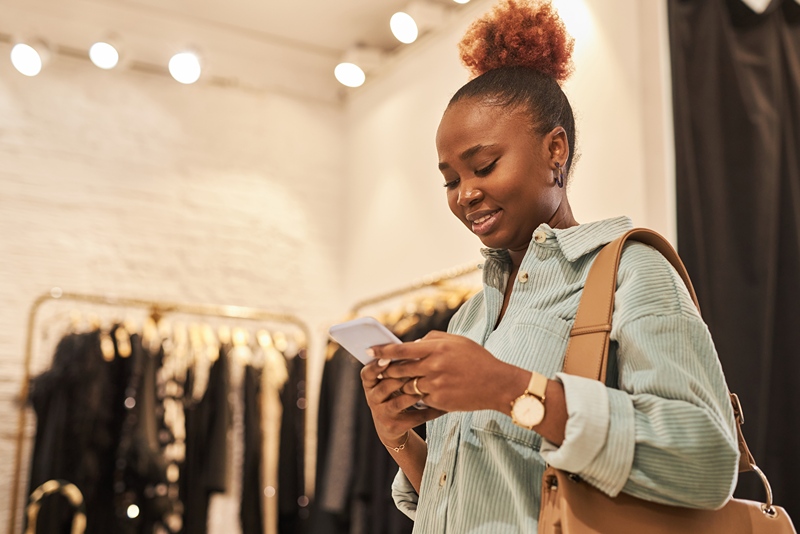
{"type": "Point", "coordinates": [665, 433]}
{"type": "Point", "coordinates": [404, 495]}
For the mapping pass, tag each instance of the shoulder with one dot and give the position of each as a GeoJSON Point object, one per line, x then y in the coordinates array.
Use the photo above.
{"type": "Point", "coordinates": [648, 285]}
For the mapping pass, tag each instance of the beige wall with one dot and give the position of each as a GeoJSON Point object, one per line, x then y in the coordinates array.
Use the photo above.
{"type": "Point", "coordinates": [132, 185]}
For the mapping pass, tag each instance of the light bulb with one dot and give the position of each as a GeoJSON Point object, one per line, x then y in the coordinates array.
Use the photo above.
{"type": "Point", "coordinates": [185, 67]}
{"type": "Point", "coordinates": [133, 511]}
{"type": "Point", "coordinates": [26, 59]}
{"type": "Point", "coordinates": [461, 1]}
{"type": "Point", "coordinates": [349, 74]}
{"type": "Point", "coordinates": [576, 16]}
{"type": "Point", "coordinates": [403, 27]}
{"type": "Point", "coordinates": [104, 55]}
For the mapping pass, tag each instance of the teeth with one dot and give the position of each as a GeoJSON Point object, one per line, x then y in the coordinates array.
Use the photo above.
{"type": "Point", "coordinates": [483, 219]}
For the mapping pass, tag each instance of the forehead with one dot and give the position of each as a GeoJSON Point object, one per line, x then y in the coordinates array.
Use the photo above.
{"type": "Point", "coordinates": [470, 122]}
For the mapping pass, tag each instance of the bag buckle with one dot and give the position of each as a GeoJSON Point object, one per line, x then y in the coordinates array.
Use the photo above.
{"type": "Point", "coordinates": [737, 409]}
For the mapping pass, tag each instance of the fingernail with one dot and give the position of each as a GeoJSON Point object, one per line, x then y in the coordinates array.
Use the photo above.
{"type": "Point", "coordinates": [380, 376]}
{"type": "Point", "coordinates": [383, 362]}
{"type": "Point", "coordinates": [370, 353]}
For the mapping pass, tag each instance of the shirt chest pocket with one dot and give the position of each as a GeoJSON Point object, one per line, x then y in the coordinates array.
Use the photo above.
{"type": "Point", "coordinates": [494, 430]}
{"type": "Point", "coordinates": [535, 341]}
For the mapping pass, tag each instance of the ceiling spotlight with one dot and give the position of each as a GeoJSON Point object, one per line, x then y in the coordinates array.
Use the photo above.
{"type": "Point", "coordinates": [29, 59]}
{"type": "Point", "coordinates": [461, 1]}
{"type": "Point", "coordinates": [349, 74]}
{"type": "Point", "coordinates": [356, 63]}
{"type": "Point", "coordinates": [403, 27]}
{"type": "Point", "coordinates": [418, 17]}
{"type": "Point", "coordinates": [104, 55]}
{"type": "Point", "coordinates": [185, 67]}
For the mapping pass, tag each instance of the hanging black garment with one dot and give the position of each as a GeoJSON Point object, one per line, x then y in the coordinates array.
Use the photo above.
{"type": "Point", "coordinates": [140, 479]}
{"type": "Point", "coordinates": [292, 503]}
{"type": "Point", "coordinates": [354, 469]}
{"type": "Point", "coordinates": [736, 92]}
{"type": "Point", "coordinates": [251, 512]}
{"type": "Point", "coordinates": [336, 444]}
{"type": "Point", "coordinates": [78, 404]}
{"type": "Point", "coordinates": [204, 468]}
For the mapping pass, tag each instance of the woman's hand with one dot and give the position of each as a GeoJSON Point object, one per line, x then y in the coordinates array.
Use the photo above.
{"type": "Point", "coordinates": [453, 373]}
{"type": "Point", "coordinates": [391, 409]}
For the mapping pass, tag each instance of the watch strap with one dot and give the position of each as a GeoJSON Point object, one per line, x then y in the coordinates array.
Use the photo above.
{"type": "Point", "coordinates": [537, 385]}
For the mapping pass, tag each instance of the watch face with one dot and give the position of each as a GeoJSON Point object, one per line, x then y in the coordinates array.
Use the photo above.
{"type": "Point", "coordinates": [528, 411]}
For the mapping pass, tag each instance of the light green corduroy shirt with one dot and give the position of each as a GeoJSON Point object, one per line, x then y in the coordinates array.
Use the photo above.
{"type": "Point", "coordinates": [661, 428]}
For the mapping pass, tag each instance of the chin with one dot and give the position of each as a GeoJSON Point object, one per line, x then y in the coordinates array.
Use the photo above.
{"type": "Point", "coordinates": [492, 242]}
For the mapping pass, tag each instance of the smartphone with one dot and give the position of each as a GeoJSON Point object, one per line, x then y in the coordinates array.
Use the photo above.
{"type": "Point", "coordinates": [360, 334]}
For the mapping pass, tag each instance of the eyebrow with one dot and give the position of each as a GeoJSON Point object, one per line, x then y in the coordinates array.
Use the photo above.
{"type": "Point", "coordinates": [468, 153]}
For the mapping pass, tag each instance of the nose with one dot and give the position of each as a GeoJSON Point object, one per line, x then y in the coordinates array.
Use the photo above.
{"type": "Point", "coordinates": [467, 196]}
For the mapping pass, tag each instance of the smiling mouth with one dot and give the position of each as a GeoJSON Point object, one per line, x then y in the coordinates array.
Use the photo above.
{"type": "Point", "coordinates": [486, 223]}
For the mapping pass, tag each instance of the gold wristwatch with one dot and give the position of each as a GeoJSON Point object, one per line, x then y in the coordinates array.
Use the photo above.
{"type": "Point", "coordinates": [527, 410]}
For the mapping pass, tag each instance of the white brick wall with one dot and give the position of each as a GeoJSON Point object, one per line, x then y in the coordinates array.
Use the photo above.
{"type": "Point", "coordinates": [133, 185]}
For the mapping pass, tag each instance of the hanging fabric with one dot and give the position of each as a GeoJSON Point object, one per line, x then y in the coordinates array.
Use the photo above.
{"type": "Point", "coordinates": [736, 89]}
{"type": "Point", "coordinates": [354, 471]}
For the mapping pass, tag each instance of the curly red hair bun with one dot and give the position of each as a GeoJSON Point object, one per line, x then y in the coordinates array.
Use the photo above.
{"type": "Point", "coordinates": [519, 33]}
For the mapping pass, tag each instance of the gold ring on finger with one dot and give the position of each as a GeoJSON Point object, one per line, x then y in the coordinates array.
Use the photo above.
{"type": "Point", "coordinates": [417, 391]}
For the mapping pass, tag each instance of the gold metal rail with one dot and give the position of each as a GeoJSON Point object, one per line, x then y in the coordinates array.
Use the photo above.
{"type": "Point", "coordinates": [161, 307]}
{"type": "Point", "coordinates": [428, 281]}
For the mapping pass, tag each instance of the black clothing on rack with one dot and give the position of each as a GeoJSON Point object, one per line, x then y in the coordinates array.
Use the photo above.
{"type": "Point", "coordinates": [140, 479]}
{"type": "Point", "coordinates": [251, 512]}
{"type": "Point", "coordinates": [292, 502]}
{"type": "Point", "coordinates": [354, 470]}
{"type": "Point", "coordinates": [78, 409]}
{"type": "Point", "coordinates": [207, 423]}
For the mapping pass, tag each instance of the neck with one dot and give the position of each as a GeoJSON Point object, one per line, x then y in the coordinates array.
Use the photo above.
{"type": "Point", "coordinates": [562, 218]}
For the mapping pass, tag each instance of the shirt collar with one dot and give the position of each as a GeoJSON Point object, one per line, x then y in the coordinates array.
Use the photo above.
{"type": "Point", "coordinates": [576, 241]}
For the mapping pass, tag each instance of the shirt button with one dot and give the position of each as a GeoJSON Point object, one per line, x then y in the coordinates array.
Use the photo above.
{"type": "Point", "coordinates": [523, 276]}
{"type": "Point", "coordinates": [442, 479]}
{"type": "Point", "coordinates": [539, 236]}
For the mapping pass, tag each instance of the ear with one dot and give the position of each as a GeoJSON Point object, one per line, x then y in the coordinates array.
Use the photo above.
{"type": "Point", "coordinates": [558, 145]}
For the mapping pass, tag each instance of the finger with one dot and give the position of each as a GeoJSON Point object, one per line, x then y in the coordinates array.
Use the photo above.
{"type": "Point", "coordinates": [409, 387]}
{"type": "Point", "coordinates": [370, 373]}
{"type": "Point", "coordinates": [435, 334]}
{"type": "Point", "coordinates": [402, 403]}
{"type": "Point", "coordinates": [405, 369]}
{"type": "Point", "coordinates": [401, 351]}
{"type": "Point", "coordinates": [384, 390]}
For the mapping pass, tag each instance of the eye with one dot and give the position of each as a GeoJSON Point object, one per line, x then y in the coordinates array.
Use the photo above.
{"type": "Point", "coordinates": [452, 184]}
{"type": "Point", "coordinates": [485, 171]}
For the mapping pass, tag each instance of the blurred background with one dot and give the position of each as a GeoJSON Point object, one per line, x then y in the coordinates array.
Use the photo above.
{"type": "Point", "coordinates": [205, 182]}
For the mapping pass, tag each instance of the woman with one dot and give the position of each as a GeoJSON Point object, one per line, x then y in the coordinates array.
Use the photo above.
{"type": "Point", "coordinates": [499, 409]}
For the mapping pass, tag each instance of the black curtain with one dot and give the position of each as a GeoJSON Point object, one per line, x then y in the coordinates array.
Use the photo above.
{"type": "Point", "coordinates": [736, 93]}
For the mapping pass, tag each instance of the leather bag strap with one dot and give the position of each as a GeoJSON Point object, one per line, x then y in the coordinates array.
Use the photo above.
{"type": "Point", "coordinates": [587, 350]}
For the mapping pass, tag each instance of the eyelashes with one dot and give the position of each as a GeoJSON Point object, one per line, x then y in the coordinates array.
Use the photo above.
{"type": "Point", "coordinates": [480, 173]}
{"type": "Point", "coordinates": [486, 170]}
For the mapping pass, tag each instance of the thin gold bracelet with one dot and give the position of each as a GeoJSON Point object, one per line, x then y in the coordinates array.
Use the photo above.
{"type": "Point", "coordinates": [402, 445]}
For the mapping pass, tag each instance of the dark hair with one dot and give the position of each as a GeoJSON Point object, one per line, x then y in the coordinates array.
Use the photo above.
{"type": "Point", "coordinates": [531, 90]}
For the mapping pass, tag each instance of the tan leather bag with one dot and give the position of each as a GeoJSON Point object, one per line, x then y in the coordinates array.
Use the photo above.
{"type": "Point", "coordinates": [571, 506]}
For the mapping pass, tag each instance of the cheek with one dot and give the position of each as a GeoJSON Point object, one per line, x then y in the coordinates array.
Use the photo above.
{"type": "Point", "coordinates": [452, 202]}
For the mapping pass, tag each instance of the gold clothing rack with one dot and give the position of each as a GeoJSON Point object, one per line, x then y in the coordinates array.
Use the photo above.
{"type": "Point", "coordinates": [156, 307]}
{"type": "Point", "coordinates": [427, 281]}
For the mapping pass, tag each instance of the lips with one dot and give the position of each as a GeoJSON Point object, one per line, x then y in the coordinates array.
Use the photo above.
{"type": "Point", "coordinates": [484, 222]}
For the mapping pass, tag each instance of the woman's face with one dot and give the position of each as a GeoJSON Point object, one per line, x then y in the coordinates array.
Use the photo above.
{"type": "Point", "coordinates": [498, 174]}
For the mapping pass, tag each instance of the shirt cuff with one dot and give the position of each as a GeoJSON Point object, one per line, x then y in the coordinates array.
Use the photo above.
{"type": "Point", "coordinates": [404, 495]}
{"type": "Point", "coordinates": [587, 424]}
